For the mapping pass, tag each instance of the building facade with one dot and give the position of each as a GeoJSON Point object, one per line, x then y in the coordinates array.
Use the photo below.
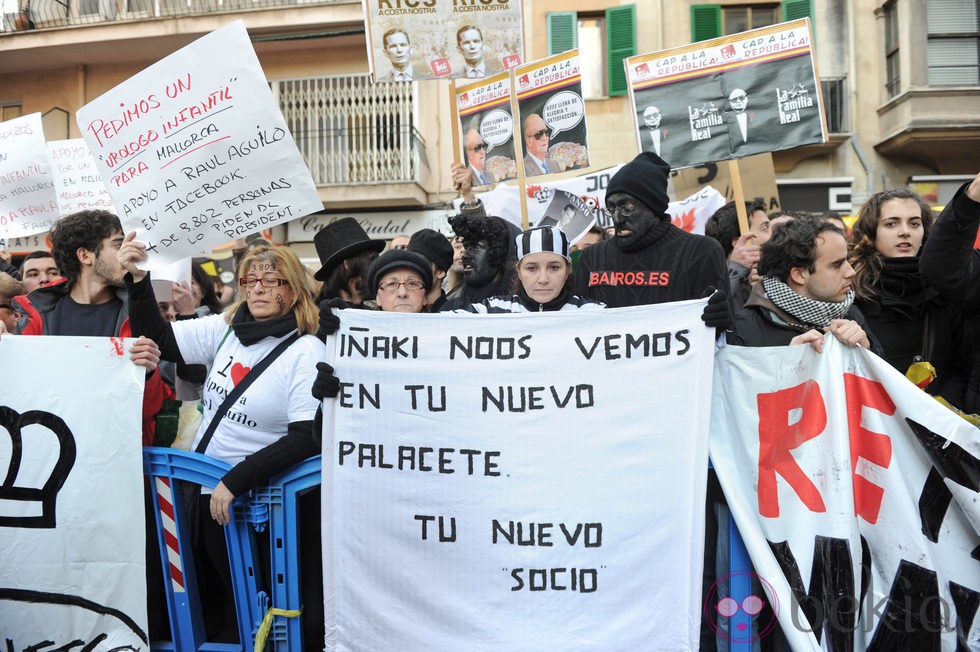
{"type": "Point", "coordinates": [901, 84]}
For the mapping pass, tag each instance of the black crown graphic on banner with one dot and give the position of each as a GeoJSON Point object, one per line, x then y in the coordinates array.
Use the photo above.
{"type": "Point", "coordinates": [24, 504]}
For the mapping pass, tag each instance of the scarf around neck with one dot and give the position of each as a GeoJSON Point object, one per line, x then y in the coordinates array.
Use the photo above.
{"type": "Point", "coordinates": [900, 277]}
{"type": "Point", "coordinates": [535, 306]}
{"type": "Point", "coordinates": [249, 331]}
{"type": "Point", "coordinates": [810, 312]}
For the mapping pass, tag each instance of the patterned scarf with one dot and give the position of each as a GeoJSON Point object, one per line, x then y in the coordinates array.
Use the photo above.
{"type": "Point", "coordinates": [810, 312]}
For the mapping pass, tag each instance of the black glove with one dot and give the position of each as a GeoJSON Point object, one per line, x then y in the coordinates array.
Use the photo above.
{"type": "Point", "coordinates": [326, 385]}
{"type": "Point", "coordinates": [718, 314]}
{"type": "Point", "coordinates": [329, 322]}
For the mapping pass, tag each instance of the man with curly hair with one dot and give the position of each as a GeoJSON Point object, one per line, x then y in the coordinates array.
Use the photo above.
{"type": "Point", "coordinates": [806, 291]}
{"type": "Point", "coordinates": [487, 259]}
{"type": "Point", "coordinates": [90, 299]}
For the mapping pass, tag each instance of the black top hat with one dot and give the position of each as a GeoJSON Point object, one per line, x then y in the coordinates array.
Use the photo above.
{"type": "Point", "coordinates": [339, 241]}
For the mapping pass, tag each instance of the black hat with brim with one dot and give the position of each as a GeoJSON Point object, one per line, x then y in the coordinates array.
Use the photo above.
{"type": "Point", "coordinates": [340, 240]}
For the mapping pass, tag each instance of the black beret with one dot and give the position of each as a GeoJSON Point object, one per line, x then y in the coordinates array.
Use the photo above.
{"type": "Point", "coordinates": [434, 246]}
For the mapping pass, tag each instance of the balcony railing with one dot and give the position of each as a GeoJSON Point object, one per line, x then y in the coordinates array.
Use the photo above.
{"type": "Point", "coordinates": [350, 130]}
{"type": "Point", "coordinates": [42, 14]}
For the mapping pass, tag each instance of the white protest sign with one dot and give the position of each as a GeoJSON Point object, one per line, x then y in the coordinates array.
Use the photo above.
{"type": "Point", "coordinates": [505, 482]}
{"type": "Point", "coordinates": [71, 507]}
{"type": "Point", "coordinates": [76, 178]}
{"type": "Point", "coordinates": [28, 203]}
{"type": "Point", "coordinates": [853, 491]}
{"type": "Point", "coordinates": [196, 155]}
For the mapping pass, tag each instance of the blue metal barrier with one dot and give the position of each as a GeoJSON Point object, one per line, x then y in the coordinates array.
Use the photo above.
{"type": "Point", "coordinates": [281, 497]}
{"type": "Point", "coordinates": [167, 470]}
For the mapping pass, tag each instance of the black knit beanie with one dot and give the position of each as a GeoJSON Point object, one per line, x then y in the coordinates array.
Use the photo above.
{"type": "Point", "coordinates": [645, 179]}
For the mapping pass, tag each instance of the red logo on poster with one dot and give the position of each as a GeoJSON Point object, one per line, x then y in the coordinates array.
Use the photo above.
{"type": "Point", "coordinates": [440, 67]}
{"type": "Point", "coordinates": [524, 80]}
{"type": "Point", "coordinates": [511, 61]}
{"type": "Point", "coordinates": [728, 51]}
{"type": "Point", "coordinates": [643, 70]}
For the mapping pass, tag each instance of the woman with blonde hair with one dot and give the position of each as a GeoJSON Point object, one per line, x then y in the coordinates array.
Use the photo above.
{"type": "Point", "coordinates": [262, 352]}
{"type": "Point", "coordinates": [913, 323]}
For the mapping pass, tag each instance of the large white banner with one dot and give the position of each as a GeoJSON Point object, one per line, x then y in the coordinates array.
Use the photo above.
{"type": "Point", "coordinates": [195, 155]}
{"type": "Point", "coordinates": [28, 203]}
{"type": "Point", "coordinates": [856, 494]}
{"type": "Point", "coordinates": [517, 482]}
{"type": "Point", "coordinates": [72, 571]}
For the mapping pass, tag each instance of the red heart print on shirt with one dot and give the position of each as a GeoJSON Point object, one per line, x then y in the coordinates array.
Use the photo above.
{"type": "Point", "coordinates": [238, 371]}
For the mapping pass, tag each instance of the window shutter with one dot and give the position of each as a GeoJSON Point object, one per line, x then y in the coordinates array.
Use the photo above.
{"type": "Point", "coordinates": [562, 32]}
{"type": "Point", "coordinates": [705, 22]}
{"type": "Point", "coordinates": [621, 43]}
{"type": "Point", "coordinates": [794, 9]}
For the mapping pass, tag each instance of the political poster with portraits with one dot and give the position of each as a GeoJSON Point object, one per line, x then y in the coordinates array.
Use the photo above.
{"type": "Point", "coordinates": [194, 156]}
{"type": "Point", "coordinates": [728, 97]}
{"type": "Point", "coordinates": [76, 177]}
{"type": "Point", "coordinates": [415, 40]}
{"type": "Point", "coordinates": [73, 569]}
{"type": "Point", "coordinates": [487, 129]}
{"type": "Point", "coordinates": [28, 201]}
{"type": "Point", "coordinates": [551, 115]}
{"type": "Point", "coordinates": [494, 482]}
{"type": "Point", "coordinates": [856, 494]}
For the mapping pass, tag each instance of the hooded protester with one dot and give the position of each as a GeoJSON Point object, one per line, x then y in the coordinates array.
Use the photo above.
{"type": "Point", "coordinates": [544, 274]}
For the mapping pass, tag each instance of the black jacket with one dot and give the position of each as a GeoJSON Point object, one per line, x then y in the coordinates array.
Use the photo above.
{"type": "Point", "coordinates": [951, 265]}
{"type": "Point", "coordinates": [762, 323]}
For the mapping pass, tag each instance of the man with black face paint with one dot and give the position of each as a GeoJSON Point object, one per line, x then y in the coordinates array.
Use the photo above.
{"type": "Point", "coordinates": [486, 259]}
{"type": "Point", "coordinates": [649, 260]}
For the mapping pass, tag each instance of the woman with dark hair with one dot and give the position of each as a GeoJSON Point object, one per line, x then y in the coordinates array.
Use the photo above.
{"type": "Point", "coordinates": [913, 323]}
{"type": "Point", "coordinates": [544, 277]}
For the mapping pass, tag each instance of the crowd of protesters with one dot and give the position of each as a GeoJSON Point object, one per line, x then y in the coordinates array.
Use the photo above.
{"type": "Point", "coordinates": [901, 283]}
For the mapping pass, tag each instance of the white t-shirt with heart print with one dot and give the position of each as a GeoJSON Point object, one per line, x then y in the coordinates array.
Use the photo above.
{"type": "Point", "coordinates": [280, 395]}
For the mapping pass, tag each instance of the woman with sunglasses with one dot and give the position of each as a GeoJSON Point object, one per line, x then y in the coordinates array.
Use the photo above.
{"type": "Point", "coordinates": [272, 325]}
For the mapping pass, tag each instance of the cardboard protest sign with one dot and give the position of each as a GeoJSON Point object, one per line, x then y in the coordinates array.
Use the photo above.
{"type": "Point", "coordinates": [496, 481]}
{"type": "Point", "coordinates": [728, 97]}
{"type": "Point", "coordinates": [194, 155]}
{"type": "Point", "coordinates": [76, 178]}
{"type": "Point", "coordinates": [487, 129]}
{"type": "Point", "coordinates": [552, 115]}
{"type": "Point", "coordinates": [856, 495]}
{"type": "Point", "coordinates": [73, 572]}
{"type": "Point", "coordinates": [688, 214]}
{"type": "Point", "coordinates": [438, 39]}
{"type": "Point", "coordinates": [28, 203]}
{"type": "Point", "coordinates": [570, 214]}
{"type": "Point", "coordinates": [757, 174]}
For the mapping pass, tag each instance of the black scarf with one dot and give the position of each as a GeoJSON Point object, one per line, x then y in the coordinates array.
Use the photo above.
{"type": "Point", "coordinates": [900, 277]}
{"type": "Point", "coordinates": [535, 306]}
{"type": "Point", "coordinates": [249, 331]}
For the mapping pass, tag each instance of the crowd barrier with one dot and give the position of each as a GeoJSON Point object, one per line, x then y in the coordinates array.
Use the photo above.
{"type": "Point", "coordinates": [271, 622]}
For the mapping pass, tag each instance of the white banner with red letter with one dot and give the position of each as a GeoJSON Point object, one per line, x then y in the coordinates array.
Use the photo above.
{"type": "Point", "coordinates": [514, 482]}
{"type": "Point", "coordinates": [856, 495]}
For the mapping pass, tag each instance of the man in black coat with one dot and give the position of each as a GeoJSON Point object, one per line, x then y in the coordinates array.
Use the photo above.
{"type": "Point", "coordinates": [951, 265]}
{"type": "Point", "coordinates": [805, 291]}
{"type": "Point", "coordinates": [649, 260]}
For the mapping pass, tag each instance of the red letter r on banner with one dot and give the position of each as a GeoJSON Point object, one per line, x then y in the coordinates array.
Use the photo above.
{"type": "Point", "coordinates": [777, 438]}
